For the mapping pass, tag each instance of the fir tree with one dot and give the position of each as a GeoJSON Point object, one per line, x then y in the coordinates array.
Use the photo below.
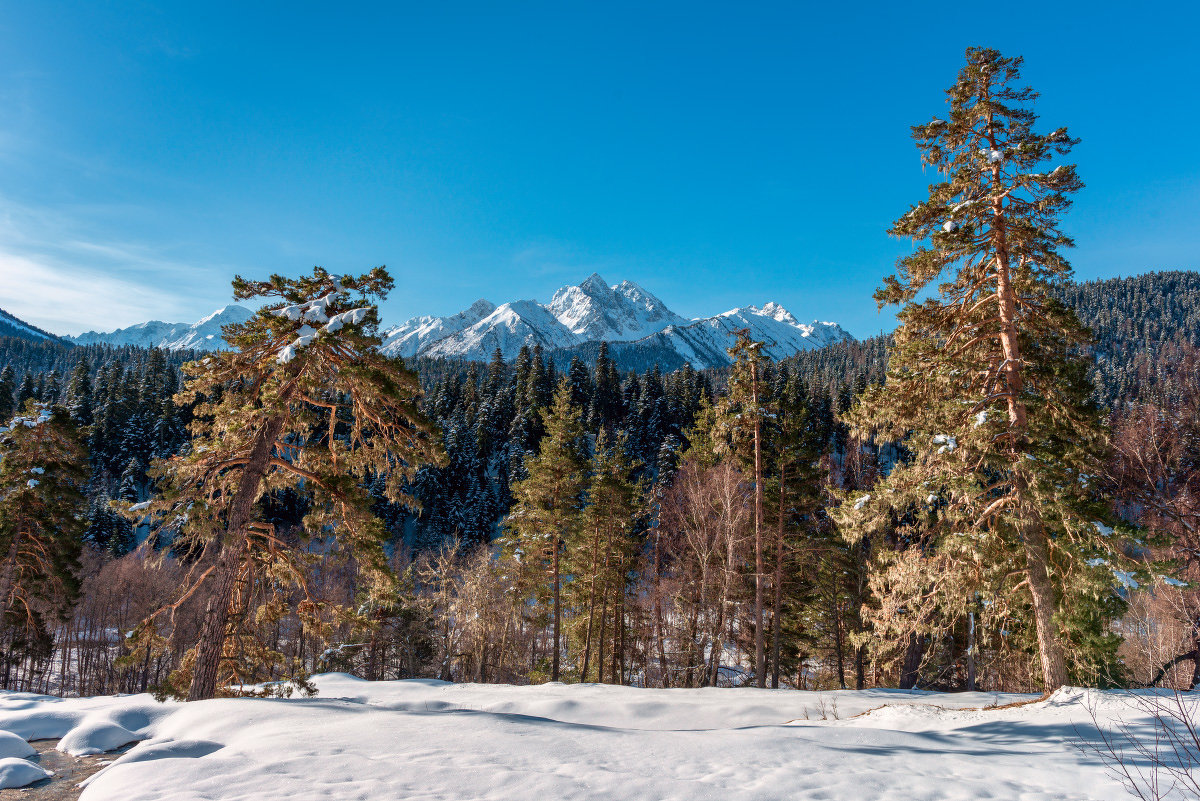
{"type": "Point", "coordinates": [742, 419]}
{"type": "Point", "coordinates": [42, 517]}
{"type": "Point", "coordinates": [8, 391]}
{"type": "Point", "coordinates": [546, 506]}
{"type": "Point", "coordinates": [79, 394]}
{"type": "Point", "coordinates": [27, 391]}
{"type": "Point", "coordinates": [601, 553]}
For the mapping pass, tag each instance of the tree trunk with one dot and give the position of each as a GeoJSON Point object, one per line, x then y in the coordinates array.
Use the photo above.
{"type": "Point", "coordinates": [971, 652]}
{"type": "Point", "coordinates": [760, 666]}
{"type": "Point", "coordinates": [1050, 649]}
{"type": "Point", "coordinates": [839, 643]}
{"type": "Point", "coordinates": [1196, 648]}
{"type": "Point", "coordinates": [660, 635]}
{"type": "Point", "coordinates": [777, 608]}
{"type": "Point", "coordinates": [1037, 557]}
{"type": "Point", "coordinates": [557, 617]}
{"type": "Point", "coordinates": [910, 670]}
{"type": "Point", "coordinates": [717, 640]}
{"type": "Point", "coordinates": [587, 638]}
{"type": "Point", "coordinates": [616, 663]}
{"type": "Point", "coordinates": [211, 646]}
{"type": "Point", "coordinates": [603, 632]}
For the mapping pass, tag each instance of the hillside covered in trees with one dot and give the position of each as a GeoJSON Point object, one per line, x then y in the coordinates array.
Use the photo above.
{"type": "Point", "coordinates": [492, 420]}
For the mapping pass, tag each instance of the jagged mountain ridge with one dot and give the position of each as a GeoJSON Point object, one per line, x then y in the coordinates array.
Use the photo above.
{"type": "Point", "coordinates": [204, 334]}
{"type": "Point", "coordinates": [640, 328]}
{"type": "Point", "coordinates": [636, 323]}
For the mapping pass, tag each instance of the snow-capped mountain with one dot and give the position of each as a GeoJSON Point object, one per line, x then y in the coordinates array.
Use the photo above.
{"type": "Point", "coordinates": [521, 322]}
{"type": "Point", "coordinates": [594, 311]}
{"type": "Point", "coordinates": [646, 330]}
{"type": "Point", "coordinates": [204, 334]}
{"type": "Point", "coordinates": [639, 327]}
{"type": "Point", "coordinates": [408, 339]}
{"type": "Point", "coordinates": [13, 326]}
{"type": "Point", "coordinates": [705, 342]}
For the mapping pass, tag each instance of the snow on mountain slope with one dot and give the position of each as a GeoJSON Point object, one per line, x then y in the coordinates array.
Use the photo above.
{"type": "Point", "coordinates": [13, 326]}
{"type": "Point", "coordinates": [705, 342]}
{"type": "Point", "coordinates": [430, 739]}
{"type": "Point", "coordinates": [409, 338]}
{"type": "Point", "coordinates": [595, 311]}
{"type": "Point", "coordinates": [575, 319]}
{"type": "Point", "coordinates": [204, 334]}
{"type": "Point", "coordinates": [522, 322]}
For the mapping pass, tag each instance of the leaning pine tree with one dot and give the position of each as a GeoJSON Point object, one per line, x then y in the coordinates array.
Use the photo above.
{"type": "Point", "coordinates": [303, 401]}
{"type": "Point", "coordinates": [995, 506]}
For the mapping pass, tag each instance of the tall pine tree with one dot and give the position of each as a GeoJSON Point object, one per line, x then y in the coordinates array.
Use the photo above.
{"type": "Point", "coordinates": [987, 387]}
{"type": "Point", "coordinates": [303, 401]}
{"type": "Point", "coordinates": [546, 507]}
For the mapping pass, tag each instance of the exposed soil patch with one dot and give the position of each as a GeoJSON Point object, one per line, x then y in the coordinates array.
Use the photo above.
{"type": "Point", "coordinates": [69, 771]}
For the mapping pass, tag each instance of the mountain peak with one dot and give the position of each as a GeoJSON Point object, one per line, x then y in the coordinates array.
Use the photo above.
{"type": "Point", "coordinates": [231, 313]}
{"type": "Point", "coordinates": [481, 308]}
{"type": "Point", "coordinates": [777, 312]}
{"type": "Point", "coordinates": [634, 321]}
{"type": "Point", "coordinates": [595, 283]}
{"type": "Point", "coordinates": [204, 334]}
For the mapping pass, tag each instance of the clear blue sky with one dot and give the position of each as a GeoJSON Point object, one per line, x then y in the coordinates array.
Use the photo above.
{"type": "Point", "coordinates": [718, 154]}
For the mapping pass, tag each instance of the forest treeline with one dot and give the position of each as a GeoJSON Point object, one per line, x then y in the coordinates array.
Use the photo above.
{"type": "Point", "coordinates": [449, 555]}
{"type": "Point", "coordinates": [993, 497]}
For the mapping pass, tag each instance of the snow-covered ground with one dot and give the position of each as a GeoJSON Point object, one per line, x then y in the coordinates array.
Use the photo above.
{"type": "Point", "coordinates": [432, 740]}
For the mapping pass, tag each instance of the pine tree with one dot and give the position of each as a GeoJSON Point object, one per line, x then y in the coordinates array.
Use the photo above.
{"type": "Point", "coordinates": [601, 553]}
{"type": "Point", "coordinates": [305, 402]}
{"type": "Point", "coordinates": [27, 391]}
{"type": "Point", "coordinates": [79, 394]}
{"type": "Point", "coordinates": [986, 386]}
{"type": "Point", "coordinates": [797, 442]}
{"type": "Point", "coordinates": [742, 419]}
{"type": "Point", "coordinates": [8, 392]}
{"type": "Point", "coordinates": [546, 505]}
{"type": "Point", "coordinates": [43, 468]}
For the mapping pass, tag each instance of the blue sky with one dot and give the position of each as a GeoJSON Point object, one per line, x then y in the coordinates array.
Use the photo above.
{"type": "Point", "coordinates": [717, 154]}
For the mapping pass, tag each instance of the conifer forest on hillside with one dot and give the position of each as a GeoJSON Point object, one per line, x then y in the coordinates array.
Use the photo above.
{"type": "Point", "coordinates": [1002, 495]}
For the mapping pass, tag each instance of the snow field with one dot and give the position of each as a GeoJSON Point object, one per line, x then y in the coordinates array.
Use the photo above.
{"type": "Point", "coordinates": [431, 740]}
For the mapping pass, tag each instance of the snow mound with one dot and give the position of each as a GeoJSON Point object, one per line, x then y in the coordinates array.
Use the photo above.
{"type": "Point", "coordinates": [16, 772]}
{"type": "Point", "coordinates": [12, 745]}
{"type": "Point", "coordinates": [96, 737]}
{"type": "Point", "coordinates": [82, 725]}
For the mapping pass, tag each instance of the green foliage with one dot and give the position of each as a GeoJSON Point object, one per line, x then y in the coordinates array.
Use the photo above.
{"type": "Point", "coordinates": [987, 390]}
{"type": "Point", "coordinates": [547, 504]}
{"type": "Point", "coordinates": [305, 403]}
{"type": "Point", "coordinates": [43, 466]}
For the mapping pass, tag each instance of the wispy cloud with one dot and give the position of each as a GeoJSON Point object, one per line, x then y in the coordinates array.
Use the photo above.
{"type": "Point", "coordinates": [58, 275]}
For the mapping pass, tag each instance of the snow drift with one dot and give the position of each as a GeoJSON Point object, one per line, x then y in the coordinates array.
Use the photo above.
{"type": "Point", "coordinates": [432, 740]}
